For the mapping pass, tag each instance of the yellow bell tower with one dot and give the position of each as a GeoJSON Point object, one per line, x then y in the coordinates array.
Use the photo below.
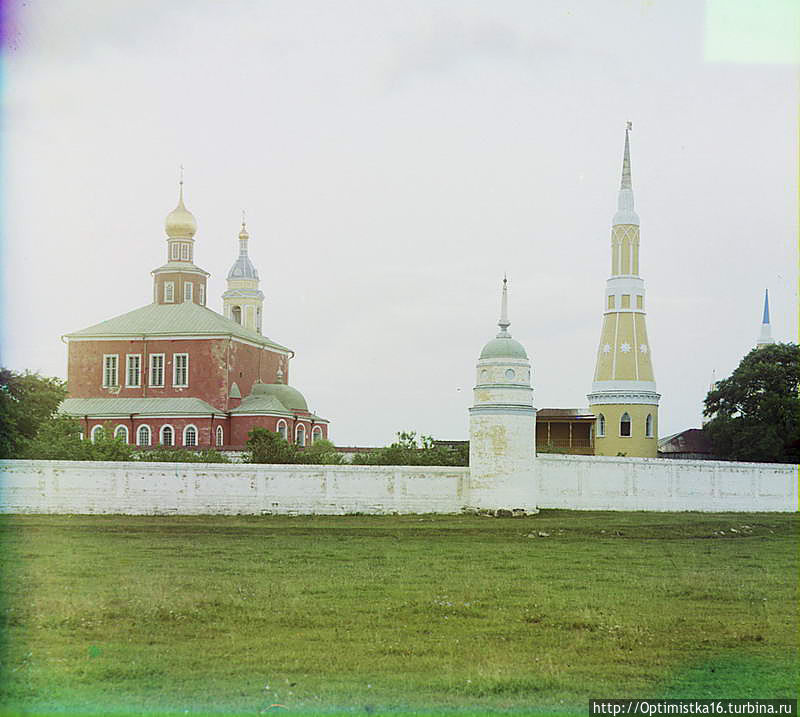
{"type": "Point", "coordinates": [243, 301]}
{"type": "Point", "coordinates": [623, 396]}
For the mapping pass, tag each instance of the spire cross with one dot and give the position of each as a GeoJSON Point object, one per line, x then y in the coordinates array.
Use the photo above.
{"type": "Point", "coordinates": [180, 182]}
{"type": "Point", "coordinates": [504, 323]}
{"type": "Point", "coordinates": [243, 219]}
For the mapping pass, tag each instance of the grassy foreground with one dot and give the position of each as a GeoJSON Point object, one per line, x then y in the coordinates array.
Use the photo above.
{"type": "Point", "coordinates": [375, 614]}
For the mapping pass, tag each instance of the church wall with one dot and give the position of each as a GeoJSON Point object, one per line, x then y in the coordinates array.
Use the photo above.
{"type": "Point", "coordinates": [569, 482]}
{"type": "Point", "coordinates": [208, 359]}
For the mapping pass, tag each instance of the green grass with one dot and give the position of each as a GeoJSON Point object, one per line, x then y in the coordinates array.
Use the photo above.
{"type": "Point", "coordinates": [367, 614]}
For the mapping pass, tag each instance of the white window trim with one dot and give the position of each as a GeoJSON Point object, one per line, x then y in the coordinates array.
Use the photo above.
{"type": "Point", "coordinates": [163, 370]}
{"type": "Point", "coordinates": [138, 383]}
{"type": "Point", "coordinates": [161, 435]}
{"type": "Point", "coordinates": [94, 432]}
{"type": "Point", "coordinates": [648, 426]}
{"type": "Point", "coordinates": [176, 252]}
{"type": "Point", "coordinates": [220, 436]}
{"type": "Point", "coordinates": [185, 252]}
{"type": "Point", "coordinates": [282, 424]}
{"type": "Point", "coordinates": [601, 426]}
{"type": "Point", "coordinates": [149, 435]}
{"type": "Point", "coordinates": [201, 294]}
{"type": "Point", "coordinates": [188, 290]}
{"type": "Point", "coordinates": [316, 434]}
{"type": "Point", "coordinates": [299, 427]}
{"type": "Point", "coordinates": [116, 370]}
{"type": "Point", "coordinates": [196, 436]}
{"type": "Point", "coordinates": [169, 298]}
{"type": "Point", "coordinates": [119, 428]}
{"type": "Point", "coordinates": [175, 370]}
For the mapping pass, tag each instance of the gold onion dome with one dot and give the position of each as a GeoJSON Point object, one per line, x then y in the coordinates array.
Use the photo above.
{"type": "Point", "coordinates": [180, 222]}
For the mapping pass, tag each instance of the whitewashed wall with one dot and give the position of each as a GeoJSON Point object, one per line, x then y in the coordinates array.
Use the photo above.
{"type": "Point", "coordinates": [610, 483]}
{"type": "Point", "coordinates": [575, 482]}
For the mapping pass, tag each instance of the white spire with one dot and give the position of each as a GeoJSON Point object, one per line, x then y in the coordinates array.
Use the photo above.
{"type": "Point", "coordinates": [765, 338]}
{"type": "Point", "coordinates": [504, 323]}
{"type": "Point", "coordinates": [625, 212]}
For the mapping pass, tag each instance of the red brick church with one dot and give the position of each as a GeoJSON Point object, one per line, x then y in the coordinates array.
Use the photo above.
{"type": "Point", "coordinates": [176, 373]}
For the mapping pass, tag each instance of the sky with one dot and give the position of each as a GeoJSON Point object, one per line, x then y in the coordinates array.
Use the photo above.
{"type": "Point", "coordinates": [395, 159]}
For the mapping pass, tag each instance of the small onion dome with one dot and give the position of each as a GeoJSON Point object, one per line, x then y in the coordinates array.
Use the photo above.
{"type": "Point", "coordinates": [290, 397]}
{"type": "Point", "coordinates": [180, 222]}
{"type": "Point", "coordinates": [504, 347]}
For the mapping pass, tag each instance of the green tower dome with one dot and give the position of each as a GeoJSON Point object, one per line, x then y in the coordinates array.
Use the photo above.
{"type": "Point", "coordinates": [290, 397]}
{"type": "Point", "coordinates": [504, 347]}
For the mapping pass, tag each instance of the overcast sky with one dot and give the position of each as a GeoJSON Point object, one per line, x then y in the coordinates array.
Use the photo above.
{"type": "Point", "coordinates": [394, 159]}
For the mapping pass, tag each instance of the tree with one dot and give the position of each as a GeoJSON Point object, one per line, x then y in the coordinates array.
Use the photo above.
{"type": "Point", "coordinates": [26, 401]}
{"type": "Point", "coordinates": [59, 439]}
{"type": "Point", "coordinates": [755, 413]}
{"type": "Point", "coordinates": [265, 446]}
{"type": "Point", "coordinates": [320, 452]}
{"type": "Point", "coordinates": [407, 451]}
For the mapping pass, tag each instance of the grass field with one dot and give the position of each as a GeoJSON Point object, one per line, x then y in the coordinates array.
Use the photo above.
{"type": "Point", "coordinates": [370, 614]}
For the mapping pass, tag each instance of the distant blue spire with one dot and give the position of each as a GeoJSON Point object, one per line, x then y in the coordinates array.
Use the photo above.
{"type": "Point", "coordinates": [765, 320]}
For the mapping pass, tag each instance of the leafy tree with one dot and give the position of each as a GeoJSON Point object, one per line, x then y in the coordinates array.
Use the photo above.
{"type": "Point", "coordinates": [59, 439]}
{"type": "Point", "coordinates": [407, 451]}
{"type": "Point", "coordinates": [265, 446]}
{"type": "Point", "coordinates": [26, 401]}
{"type": "Point", "coordinates": [320, 452]}
{"type": "Point", "coordinates": [181, 455]}
{"type": "Point", "coordinates": [756, 411]}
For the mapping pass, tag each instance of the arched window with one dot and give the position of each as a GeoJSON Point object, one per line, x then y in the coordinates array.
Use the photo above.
{"type": "Point", "coordinates": [300, 435]}
{"type": "Point", "coordinates": [236, 314]}
{"type": "Point", "coordinates": [648, 426]}
{"type": "Point", "coordinates": [97, 432]}
{"type": "Point", "coordinates": [220, 436]}
{"type": "Point", "coordinates": [143, 436]}
{"type": "Point", "coordinates": [121, 432]}
{"type": "Point", "coordinates": [190, 436]}
{"type": "Point", "coordinates": [316, 434]}
{"type": "Point", "coordinates": [601, 426]}
{"type": "Point", "coordinates": [625, 425]}
{"type": "Point", "coordinates": [282, 429]}
{"type": "Point", "coordinates": [167, 436]}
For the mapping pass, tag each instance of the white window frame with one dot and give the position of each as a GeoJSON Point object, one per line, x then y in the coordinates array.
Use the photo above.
{"type": "Point", "coordinates": [138, 372]}
{"type": "Point", "coordinates": [185, 252]}
{"type": "Point", "coordinates": [169, 292]}
{"type": "Point", "coordinates": [161, 435]}
{"type": "Point", "coordinates": [220, 436]}
{"type": "Point", "coordinates": [121, 428]}
{"type": "Point", "coordinates": [297, 430]}
{"type": "Point", "coordinates": [282, 429]}
{"type": "Point", "coordinates": [97, 429]}
{"type": "Point", "coordinates": [176, 252]}
{"type": "Point", "coordinates": [630, 421]}
{"type": "Point", "coordinates": [648, 426]}
{"type": "Point", "coordinates": [201, 294]}
{"type": "Point", "coordinates": [175, 369]}
{"type": "Point", "coordinates": [188, 290]}
{"type": "Point", "coordinates": [113, 368]}
{"type": "Point", "coordinates": [139, 430]}
{"type": "Point", "coordinates": [601, 426]}
{"type": "Point", "coordinates": [186, 430]}
{"type": "Point", "coordinates": [163, 358]}
{"type": "Point", "coordinates": [316, 434]}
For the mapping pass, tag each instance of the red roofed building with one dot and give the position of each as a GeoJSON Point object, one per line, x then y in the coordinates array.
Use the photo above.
{"type": "Point", "coordinates": [176, 373]}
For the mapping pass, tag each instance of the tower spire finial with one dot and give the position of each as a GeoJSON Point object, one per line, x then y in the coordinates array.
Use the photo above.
{"type": "Point", "coordinates": [765, 338]}
{"type": "Point", "coordinates": [626, 160]}
{"type": "Point", "coordinates": [504, 323]}
{"type": "Point", "coordinates": [180, 184]}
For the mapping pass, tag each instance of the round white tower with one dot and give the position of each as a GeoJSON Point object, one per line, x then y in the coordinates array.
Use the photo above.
{"type": "Point", "coordinates": [502, 425]}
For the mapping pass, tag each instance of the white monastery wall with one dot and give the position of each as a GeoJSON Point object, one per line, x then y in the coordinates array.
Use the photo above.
{"type": "Point", "coordinates": [572, 482]}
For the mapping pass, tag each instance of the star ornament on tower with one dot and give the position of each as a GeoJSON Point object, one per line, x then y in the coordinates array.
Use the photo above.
{"type": "Point", "coordinates": [625, 348]}
{"type": "Point", "coordinates": [606, 348]}
{"type": "Point", "coordinates": [643, 348]}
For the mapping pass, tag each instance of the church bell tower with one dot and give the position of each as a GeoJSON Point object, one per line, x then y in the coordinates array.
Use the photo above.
{"type": "Point", "coordinates": [243, 301]}
{"type": "Point", "coordinates": [624, 398]}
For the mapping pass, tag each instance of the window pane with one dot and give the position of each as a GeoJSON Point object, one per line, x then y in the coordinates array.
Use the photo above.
{"type": "Point", "coordinates": [190, 437]}
{"type": "Point", "coordinates": [166, 436]}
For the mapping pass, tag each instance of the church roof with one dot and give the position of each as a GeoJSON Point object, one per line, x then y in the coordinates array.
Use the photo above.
{"type": "Point", "coordinates": [243, 268]}
{"type": "Point", "coordinates": [124, 407]}
{"type": "Point", "coordinates": [184, 319]}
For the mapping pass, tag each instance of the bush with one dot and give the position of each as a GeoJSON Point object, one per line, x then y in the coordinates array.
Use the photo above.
{"type": "Point", "coordinates": [407, 452]}
{"type": "Point", "coordinates": [164, 454]}
{"type": "Point", "coordinates": [265, 446]}
{"type": "Point", "coordinates": [59, 439]}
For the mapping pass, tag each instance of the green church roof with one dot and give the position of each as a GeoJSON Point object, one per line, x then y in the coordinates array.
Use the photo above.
{"type": "Point", "coordinates": [184, 319]}
{"type": "Point", "coordinates": [124, 407]}
{"type": "Point", "coordinates": [504, 347]}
